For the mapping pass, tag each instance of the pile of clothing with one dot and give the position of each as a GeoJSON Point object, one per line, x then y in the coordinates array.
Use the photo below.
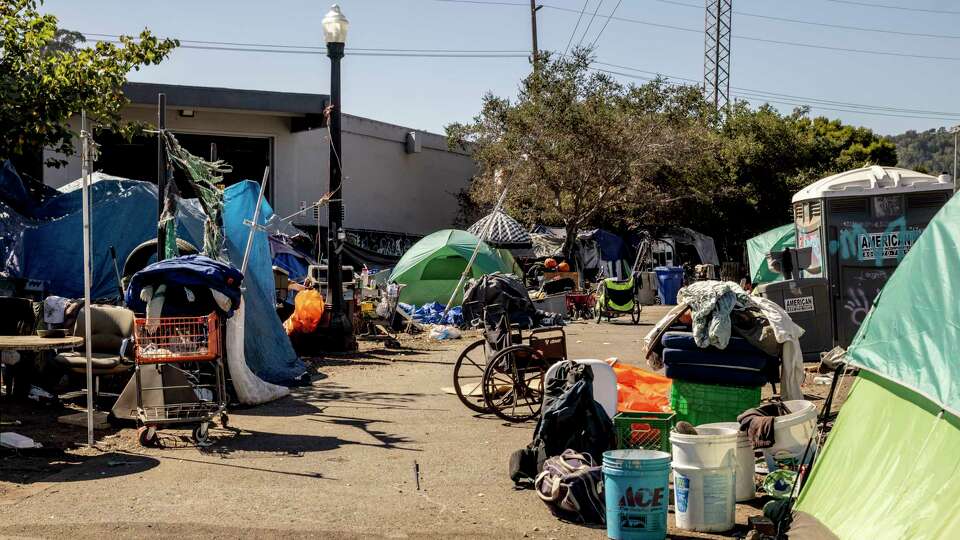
{"type": "Point", "coordinates": [719, 334]}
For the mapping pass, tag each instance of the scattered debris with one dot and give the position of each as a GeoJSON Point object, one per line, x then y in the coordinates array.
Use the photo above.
{"type": "Point", "coordinates": [9, 439]}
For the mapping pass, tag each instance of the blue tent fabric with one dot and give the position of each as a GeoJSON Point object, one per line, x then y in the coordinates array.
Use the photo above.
{"type": "Point", "coordinates": [612, 247]}
{"type": "Point", "coordinates": [186, 271]}
{"type": "Point", "coordinates": [123, 215]}
{"type": "Point", "coordinates": [267, 348]}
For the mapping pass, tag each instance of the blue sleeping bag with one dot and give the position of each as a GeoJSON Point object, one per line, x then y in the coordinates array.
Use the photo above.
{"type": "Point", "coordinates": [708, 366]}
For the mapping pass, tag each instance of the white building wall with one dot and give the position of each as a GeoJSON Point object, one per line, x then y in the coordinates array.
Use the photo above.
{"type": "Point", "coordinates": [384, 187]}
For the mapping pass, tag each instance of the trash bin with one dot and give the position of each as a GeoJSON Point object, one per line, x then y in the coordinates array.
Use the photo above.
{"type": "Point", "coordinates": [669, 281]}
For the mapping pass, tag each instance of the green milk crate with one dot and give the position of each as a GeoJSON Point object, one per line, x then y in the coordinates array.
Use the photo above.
{"type": "Point", "coordinates": [708, 403]}
{"type": "Point", "coordinates": [643, 430]}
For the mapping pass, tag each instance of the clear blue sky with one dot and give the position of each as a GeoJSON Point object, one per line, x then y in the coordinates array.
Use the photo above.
{"type": "Point", "coordinates": [428, 93]}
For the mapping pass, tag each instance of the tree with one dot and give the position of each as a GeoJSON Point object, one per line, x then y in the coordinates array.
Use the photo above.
{"type": "Point", "coordinates": [577, 147]}
{"type": "Point", "coordinates": [45, 79]}
{"type": "Point", "coordinates": [929, 151]}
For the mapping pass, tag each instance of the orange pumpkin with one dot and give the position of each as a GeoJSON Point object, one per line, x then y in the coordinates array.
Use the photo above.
{"type": "Point", "coordinates": [563, 267]}
{"type": "Point", "coordinates": [550, 264]}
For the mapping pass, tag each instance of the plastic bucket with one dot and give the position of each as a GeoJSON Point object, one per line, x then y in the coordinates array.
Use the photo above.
{"type": "Point", "coordinates": [704, 498]}
{"type": "Point", "coordinates": [710, 448]}
{"type": "Point", "coordinates": [636, 485]}
{"type": "Point", "coordinates": [669, 281]}
{"type": "Point", "coordinates": [746, 462]}
{"type": "Point", "coordinates": [791, 433]}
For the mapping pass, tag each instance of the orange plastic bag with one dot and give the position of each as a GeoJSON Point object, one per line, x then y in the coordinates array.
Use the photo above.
{"type": "Point", "coordinates": [639, 390]}
{"type": "Point", "coordinates": [308, 309]}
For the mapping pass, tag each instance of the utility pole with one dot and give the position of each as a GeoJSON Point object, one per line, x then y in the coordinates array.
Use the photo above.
{"type": "Point", "coordinates": [534, 8]}
{"type": "Point", "coordinates": [716, 52]}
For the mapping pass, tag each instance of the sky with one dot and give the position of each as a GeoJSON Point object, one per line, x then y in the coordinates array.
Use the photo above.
{"type": "Point", "coordinates": [904, 89]}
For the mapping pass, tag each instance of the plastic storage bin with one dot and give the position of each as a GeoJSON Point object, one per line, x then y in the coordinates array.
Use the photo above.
{"type": "Point", "coordinates": [708, 403]}
{"type": "Point", "coordinates": [643, 430]}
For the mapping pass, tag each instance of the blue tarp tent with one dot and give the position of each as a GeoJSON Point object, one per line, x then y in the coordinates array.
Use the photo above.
{"type": "Point", "coordinates": [266, 347]}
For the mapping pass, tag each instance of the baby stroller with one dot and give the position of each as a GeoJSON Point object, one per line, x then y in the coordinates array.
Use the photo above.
{"type": "Point", "coordinates": [615, 298]}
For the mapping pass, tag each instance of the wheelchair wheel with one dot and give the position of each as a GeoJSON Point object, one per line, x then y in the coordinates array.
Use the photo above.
{"type": "Point", "coordinates": [599, 313]}
{"type": "Point", "coordinates": [513, 383]}
{"type": "Point", "coordinates": [468, 376]}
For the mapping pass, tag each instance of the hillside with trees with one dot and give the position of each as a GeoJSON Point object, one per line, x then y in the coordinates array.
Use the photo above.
{"type": "Point", "coordinates": [929, 151]}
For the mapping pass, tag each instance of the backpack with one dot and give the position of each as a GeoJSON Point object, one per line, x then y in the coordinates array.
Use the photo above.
{"type": "Point", "coordinates": [570, 420]}
{"type": "Point", "coordinates": [572, 488]}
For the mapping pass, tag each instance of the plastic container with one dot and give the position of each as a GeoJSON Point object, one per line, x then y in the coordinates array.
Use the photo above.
{"type": "Point", "coordinates": [704, 481]}
{"type": "Point", "coordinates": [643, 430]}
{"type": "Point", "coordinates": [710, 403]}
{"type": "Point", "coordinates": [637, 492]}
{"type": "Point", "coordinates": [704, 498]}
{"type": "Point", "coordinates": [746, 461]}
{"type": "Point", "coordinates": [604, 383]}
{"type": "Point", "coordinates": [710, 448]}
{"type": "Point", "coordinates": [791, 433]}
{"type": "Point", "coordinates": [669, 281]}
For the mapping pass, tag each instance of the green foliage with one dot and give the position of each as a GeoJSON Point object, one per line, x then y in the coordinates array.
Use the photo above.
{"type": "Point", "coordinates": [45, 79]}
{"type": "Point", "coordinates": [578, 149]}
{"type": "Point", "coordinates": [929, 151]}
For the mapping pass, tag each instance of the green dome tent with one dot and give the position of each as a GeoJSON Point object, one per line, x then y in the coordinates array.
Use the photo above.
{"type": "Point", "coordinates": [431, 268]}
{"type": "Point", "coordinates": [889, 467]}
{"type": "Point", "coordinates": [784, 236]}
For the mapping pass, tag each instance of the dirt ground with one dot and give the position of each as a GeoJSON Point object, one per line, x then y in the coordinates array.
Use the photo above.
{"type": "Point", "coordinates": [335, 459]}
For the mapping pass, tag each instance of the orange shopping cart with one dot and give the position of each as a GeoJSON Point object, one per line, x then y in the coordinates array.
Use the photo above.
{"type": "Point", "coordinates": [190, 383]}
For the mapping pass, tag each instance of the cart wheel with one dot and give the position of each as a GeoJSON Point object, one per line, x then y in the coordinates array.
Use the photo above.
{"type": "Point", "coordinates": [224, 420]}
{"type": "Point", "coordinates": [147, 436]}
{"type": "Point", "coordinates": [599, 314]}
{"type": "Point", "coordinates": [468, 376]}
{"type": "Point", "coordinates": [513, 383]}
{"type": "Point", "coordinates": [635, 314]}
{"type": "Point", "coordinates": [201, 434]}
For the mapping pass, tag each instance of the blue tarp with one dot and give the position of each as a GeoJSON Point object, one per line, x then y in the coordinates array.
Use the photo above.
{"type": "Point", "coordinates": [266, 347]}
{"type": "Point", "coordinates": [47, 244]}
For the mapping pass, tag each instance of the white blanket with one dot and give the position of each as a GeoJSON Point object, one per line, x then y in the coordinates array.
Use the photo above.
{"type": "Point", "coordinates": [788, 334]}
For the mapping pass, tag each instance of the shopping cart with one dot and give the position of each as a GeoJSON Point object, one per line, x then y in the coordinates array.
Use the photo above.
{"type": "Point", "coordinates": [186, 353]}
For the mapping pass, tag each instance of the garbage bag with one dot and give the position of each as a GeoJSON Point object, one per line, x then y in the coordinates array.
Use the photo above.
{"type": "Point", "coordinates": [308, 308]}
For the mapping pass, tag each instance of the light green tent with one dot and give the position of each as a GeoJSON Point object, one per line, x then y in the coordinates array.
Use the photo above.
{"type": "Point", "coordinates": [431, 268]}
{"type": "Point", "coordinates": [759, 246]}
{"type": "Point", "coordinates": [891, 466]}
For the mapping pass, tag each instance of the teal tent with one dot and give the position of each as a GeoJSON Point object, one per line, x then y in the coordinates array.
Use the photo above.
{"type": "Point", "coordinates": [759, 246]}
{"type": "Point", "coordinates": [890, 466]}
{"type": "Point", "coordinates": [432, 267]}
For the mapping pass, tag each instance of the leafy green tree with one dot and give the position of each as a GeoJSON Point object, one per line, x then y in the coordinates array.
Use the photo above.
{"type": "Point", "coordinates": [577, 147]}
{"type": "Point", "coordinates": [46, 78]}
{"type": "Point", "coordinates": [929, 151]}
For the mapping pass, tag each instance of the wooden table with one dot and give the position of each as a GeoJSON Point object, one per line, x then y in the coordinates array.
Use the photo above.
{"type": "Point", "coordinates": [37, 343]}
{"type": "Point", "coordinates": [34, 343]}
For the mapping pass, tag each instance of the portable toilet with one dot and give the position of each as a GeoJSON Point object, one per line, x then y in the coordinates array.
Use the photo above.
{"type": "Point", "coordinates": [859, 224]}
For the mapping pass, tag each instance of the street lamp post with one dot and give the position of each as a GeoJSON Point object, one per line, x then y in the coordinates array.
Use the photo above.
{"type": "Point", "coordinates": [335, 35]}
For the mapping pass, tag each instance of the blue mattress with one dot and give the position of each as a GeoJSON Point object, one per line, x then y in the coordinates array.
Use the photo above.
{"type": "Point", "coordinates": [712, 366]}
{"type": "Point", "coordinates": [684, 341]}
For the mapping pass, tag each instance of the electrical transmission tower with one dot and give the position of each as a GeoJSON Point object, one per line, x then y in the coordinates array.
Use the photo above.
{"type": "Point", "coordinates": [716, 52]}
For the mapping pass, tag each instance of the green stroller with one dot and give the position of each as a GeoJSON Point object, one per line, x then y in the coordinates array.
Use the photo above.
{"type": "Point", "coordinates": [615, 298]}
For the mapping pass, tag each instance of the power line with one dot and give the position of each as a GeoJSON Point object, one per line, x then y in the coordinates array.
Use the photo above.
{"type": "Point", "coordinates": [576, 27]}
{"type": "Point", "coordinates": [590, 23]}
{"type": "Point", "coordinates": [821, 24]}
{"type": "Point", "coordinates": [600, 33]}
{"type": "Point", "coordinates": [900, 8]}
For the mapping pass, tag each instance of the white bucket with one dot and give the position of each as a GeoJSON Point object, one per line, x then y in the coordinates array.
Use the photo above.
{"type": "Point", "coordinates": [791, 433]}
{"type": "Point", "coordinates": [746, 462]}
{"type": "Point", "coordinates": [704, 498]}
{"type": "Point", "coordinates": [710, 448]}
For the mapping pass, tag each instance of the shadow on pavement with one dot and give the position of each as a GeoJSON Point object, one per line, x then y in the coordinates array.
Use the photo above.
{"type": "Point", "coordinates": [55, 465]}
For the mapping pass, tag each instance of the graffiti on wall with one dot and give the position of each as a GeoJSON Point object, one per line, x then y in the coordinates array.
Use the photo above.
{"type": "Point", "coordinates": [856, 242]}
{"type": "Point", "coordinates": [860, 294]}
{"type": "Point", "coordinates": [382, 242]}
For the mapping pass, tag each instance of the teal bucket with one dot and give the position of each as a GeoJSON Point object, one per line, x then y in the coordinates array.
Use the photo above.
{"type": "Point", "coordinates": [636, 485]}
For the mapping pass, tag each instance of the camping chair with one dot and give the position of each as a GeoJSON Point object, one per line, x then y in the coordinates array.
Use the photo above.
{"type": "Point", "coordinates": [110, 326]}
{"type": "Point", "coordinates": [618, 297]}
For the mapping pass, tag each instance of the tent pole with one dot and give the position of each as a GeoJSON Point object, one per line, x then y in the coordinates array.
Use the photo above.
{"type": "Point", "coordinates": [255, 223]}
{"type": "Point", "coordinates": [85, 162]}
{"type": "Point", "coordinates": [473, 256]}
